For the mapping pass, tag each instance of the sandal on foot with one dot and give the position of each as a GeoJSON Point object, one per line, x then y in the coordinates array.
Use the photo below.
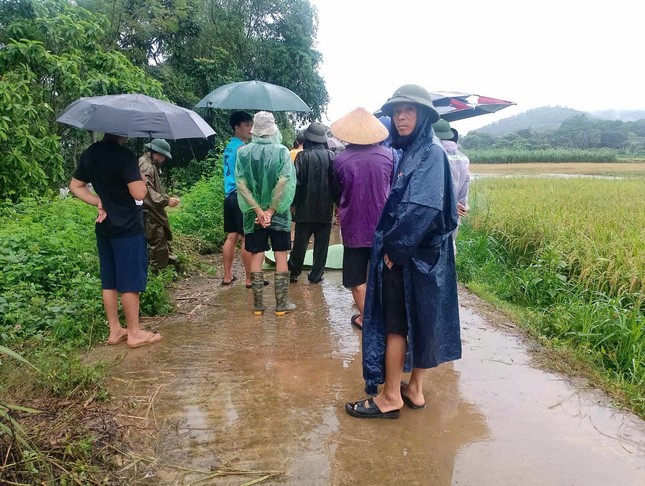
{"type": "Point", "coordinates": [407, 400]}
{"type": "Point", "coordinates": [358, 409]}
{"type": "Point", "coordinates": [248, 286]}
{"type": "Point", "coordinates": [356, 324]}
{"type": "Point", "coordinates": [153, 338]}
{"type": "Point", "coordinates": [230, 281]}
{"type": "Point", "coordinates": [120, 340]}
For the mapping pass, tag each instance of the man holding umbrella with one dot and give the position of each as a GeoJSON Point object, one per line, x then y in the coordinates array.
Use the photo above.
{"type": "Point", "coordinates": [157, 227]}
{"type": "Point", "coordinates": [114, 174]}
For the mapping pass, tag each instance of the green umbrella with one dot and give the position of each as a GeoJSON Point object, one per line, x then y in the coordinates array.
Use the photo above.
{"type": "Point", "coordinates": [253, 95]}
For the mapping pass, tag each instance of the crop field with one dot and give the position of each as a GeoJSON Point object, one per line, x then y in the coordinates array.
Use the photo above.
{"type": "Point", "coordinates": [617, 169]}
{"type": "Point", "coordinates": [572, 250]}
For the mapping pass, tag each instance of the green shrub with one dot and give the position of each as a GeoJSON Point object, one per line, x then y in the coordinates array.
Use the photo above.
{"type": "Point", "coordinates": [201, 215]}
{"type": "Point", "coordinates": [49, 284]}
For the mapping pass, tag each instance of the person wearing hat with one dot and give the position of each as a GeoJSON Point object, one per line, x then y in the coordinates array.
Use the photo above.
{"type": "Point", "coordinates": [266, 182]}
{"type": "Point", "coordinates": [313, 203]}
{"type": "Point", "coordinates": [114, 174]}
{"type": "Point", "coordinates": [411, 319]}
{"type": "Point", "coordinates": [363, 173]}
{"type": "Point", "coordinates": [459, 168]}
{"type": "Point", "coordinates": [157, 227]}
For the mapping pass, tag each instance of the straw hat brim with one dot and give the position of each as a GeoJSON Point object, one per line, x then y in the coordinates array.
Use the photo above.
{"type": "Point", "coordinates": [359, 127]}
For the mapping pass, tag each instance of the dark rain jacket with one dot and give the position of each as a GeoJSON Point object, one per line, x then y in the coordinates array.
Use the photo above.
{"type": "Point", "coordinates": [315, 186]}
{"type": "Point", "coordinates": [414, 231]}
{"type": "Point", "coordinates": [156, 200]}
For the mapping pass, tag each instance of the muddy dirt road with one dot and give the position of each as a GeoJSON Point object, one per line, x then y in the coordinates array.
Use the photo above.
{"type": "Point", "coordinates": [226, 390]}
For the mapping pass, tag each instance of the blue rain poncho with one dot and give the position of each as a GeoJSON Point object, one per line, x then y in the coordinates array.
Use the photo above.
{"type": "Point", "coordinates": [265, 177]}
{"type": "Point", "coordinates": [414, 231]}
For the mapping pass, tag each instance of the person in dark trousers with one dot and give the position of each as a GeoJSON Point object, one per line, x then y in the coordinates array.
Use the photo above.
{"type": "Point", "coordinates": [314, 202]}
{"type": "Point", "coordinates": [155, 219]}
{"type": "Point", "coordinates": [411, 320]}
{"type": "Point", "coordinates": [241, 123]}
{"type": "Point", "coordinates": [118, 193]}
{"type": "Point", "coordinates": [266, 183]}
{"type": "Point", "coordinates": [363, 172]}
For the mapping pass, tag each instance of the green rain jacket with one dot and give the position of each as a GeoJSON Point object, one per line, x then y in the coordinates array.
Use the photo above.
{"type": "Point", "coordinates": [265, 177]}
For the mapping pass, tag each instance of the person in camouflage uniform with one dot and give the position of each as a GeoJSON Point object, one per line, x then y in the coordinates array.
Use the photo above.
{"type": "Point", "coordinates": [157, 227]}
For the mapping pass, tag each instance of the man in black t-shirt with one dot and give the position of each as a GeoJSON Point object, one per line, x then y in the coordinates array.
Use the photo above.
{"type": "Point", "coordinates": [113, 171]}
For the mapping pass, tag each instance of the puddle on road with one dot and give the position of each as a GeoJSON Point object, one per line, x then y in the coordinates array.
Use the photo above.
{"type": "Point", "coordinates": [267, 394]}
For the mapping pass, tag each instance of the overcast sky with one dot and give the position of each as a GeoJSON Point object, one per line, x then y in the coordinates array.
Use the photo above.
{"type": "Point", "coordinates": [580, 54]}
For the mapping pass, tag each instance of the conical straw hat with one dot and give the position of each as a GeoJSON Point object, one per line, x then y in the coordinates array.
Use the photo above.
{"type": "Point", "coordinates": [360, 127]}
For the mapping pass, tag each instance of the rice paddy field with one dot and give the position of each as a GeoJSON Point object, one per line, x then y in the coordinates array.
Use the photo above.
{"type": "Point", "coordinates": [570, 253]}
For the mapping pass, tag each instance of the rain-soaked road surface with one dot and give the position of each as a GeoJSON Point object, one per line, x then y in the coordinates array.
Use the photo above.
{"type": "Point", "coordinates": [228, 389]}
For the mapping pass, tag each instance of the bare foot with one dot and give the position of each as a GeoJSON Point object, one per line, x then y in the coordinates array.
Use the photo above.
{"type": "Point", "coordinates": [116, 338]}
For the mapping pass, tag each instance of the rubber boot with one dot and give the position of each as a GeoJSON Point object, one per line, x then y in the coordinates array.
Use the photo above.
{"type": "Point", "coordinates": [257, 284]}
{"type": "Point", "coordinates": [282, 305]}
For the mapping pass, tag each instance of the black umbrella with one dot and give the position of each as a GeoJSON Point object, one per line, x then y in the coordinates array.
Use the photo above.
{"type": "Point", "coordinates": [135, 115]}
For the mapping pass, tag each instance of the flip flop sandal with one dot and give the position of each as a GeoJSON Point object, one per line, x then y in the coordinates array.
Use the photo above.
{"type": "Point", "coordinates": [120, 340]}
{"type": "Point", "coordinates": [359, 410]}
{"type": "Point", "coordinates": [230, 281]}
{"type": "Point", "coordinates": [266, 282]}
{"type": "Point", "coordinates": [356, 324]}
{"type": "Point", "coordinates": [151, 339]}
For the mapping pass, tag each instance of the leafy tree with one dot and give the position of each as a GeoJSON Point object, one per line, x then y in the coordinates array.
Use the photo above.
{"type": "Point", "coordinates": [194, 46]}
{"type": "Point", "coordinates": [51, 55]}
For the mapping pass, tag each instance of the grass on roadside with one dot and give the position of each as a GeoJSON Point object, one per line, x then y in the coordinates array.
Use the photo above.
{"type": "Point", "coordinates": [570, 256]}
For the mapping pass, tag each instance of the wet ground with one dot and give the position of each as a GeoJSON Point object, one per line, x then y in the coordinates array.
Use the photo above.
{"type": "Point", "coordinates": [263, 397]}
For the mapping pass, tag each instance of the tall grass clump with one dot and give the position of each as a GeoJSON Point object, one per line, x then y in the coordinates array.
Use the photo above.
{"type": "Point", "coordinates": [572, 251]}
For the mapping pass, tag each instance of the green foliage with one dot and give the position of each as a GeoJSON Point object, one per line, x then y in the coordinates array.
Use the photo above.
{"type": "Point", "coordinates": [200, 214]}
{"type": "Point", "coordinates": [50, 286]}
{"type": "Point", "coordinates": [52, 54]}
{"type": "Point", "coordinates": [29, 157]}
{"type": "Point", "coordinates": [155, 301]}
{"type": "Point", "coordinates": [569, 254]}
{"type": "Point", "coordinates": [198, 45]}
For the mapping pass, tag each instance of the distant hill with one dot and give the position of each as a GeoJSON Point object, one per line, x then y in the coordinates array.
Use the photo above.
{"type": "Point", "coordinates": [622, 115]}
{"type": "Point", "coordinates": [549, 118]}
{"type": "Point", "coordinates": [538, 119]}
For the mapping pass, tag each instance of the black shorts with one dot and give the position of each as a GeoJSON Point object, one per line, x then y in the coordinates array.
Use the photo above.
{"type": "Point", "coordinates": [355, 264]}
{"type": "Point", "coordinates": [233, 220]}
{"type": "Point", "coordinates": [394, 312]}
{"type": "Point", "coordinates": [258, 241]}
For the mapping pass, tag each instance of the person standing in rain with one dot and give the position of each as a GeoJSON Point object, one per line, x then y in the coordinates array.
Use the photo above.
{"type": "Point", "coordinates": [459, 168]}
{"type": "Point", "coordinates": [363, 173]}
{"type": "Point", "coordinates": [241, 123]}
{"type": "Point", "coordinates": [266, 183]}
{"type": "Point", "coordinates": [155, 219]}
{"type": "Point", "coordinates": [313, 203]}
{"type": "Point", "coordinates": [411, 316]}
{"type": "Point", "coordinates": [123, 260]}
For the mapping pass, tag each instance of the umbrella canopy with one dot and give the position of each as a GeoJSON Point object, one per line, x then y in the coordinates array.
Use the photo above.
{"type": "Point", "coordinates": [454, 106]}
{"type": "Point", "coordinates": [135, 115]}
{"type": "Point", "coordinates": [253, 95]}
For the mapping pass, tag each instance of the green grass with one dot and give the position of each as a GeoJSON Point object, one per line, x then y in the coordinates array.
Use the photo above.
{"type": "Point", "coordinates": [571, 254]}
